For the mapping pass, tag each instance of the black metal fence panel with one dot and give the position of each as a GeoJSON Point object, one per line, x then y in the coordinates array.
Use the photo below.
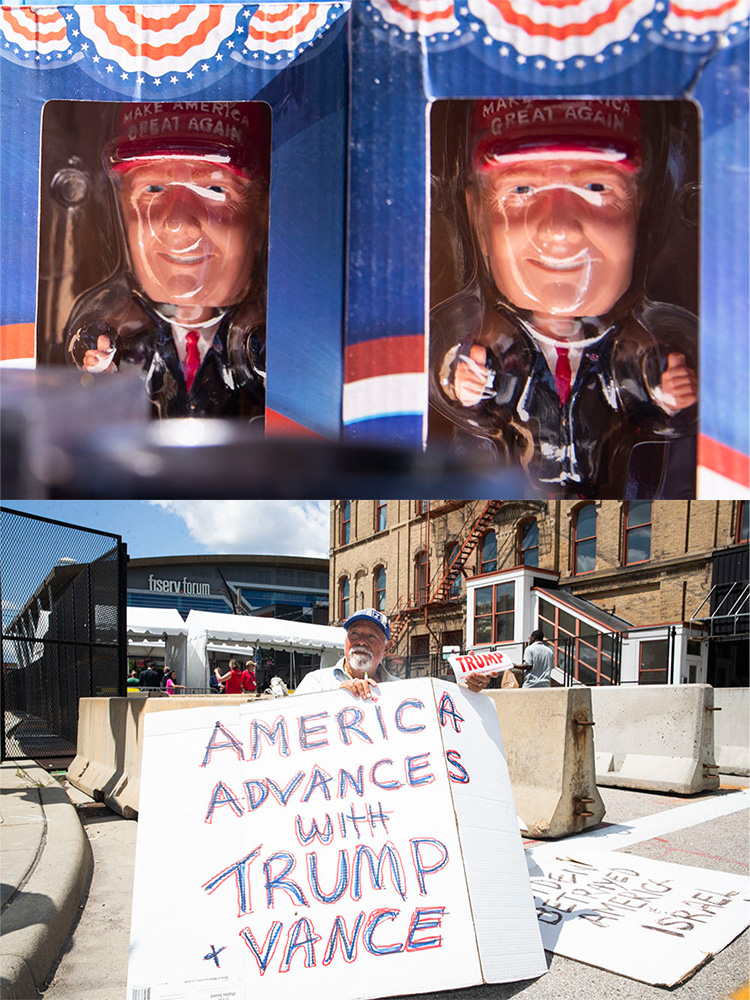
{"type": "Point", "coordinates": [63, 590]}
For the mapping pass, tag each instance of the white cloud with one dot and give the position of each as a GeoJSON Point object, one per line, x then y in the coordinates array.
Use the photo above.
{"type": "Point", "coordinates": [265, 527]}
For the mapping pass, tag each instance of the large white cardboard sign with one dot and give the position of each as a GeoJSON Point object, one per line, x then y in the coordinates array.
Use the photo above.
{"type": "Point", "coordinates": [649, 920]}
{"type": "Point", "coordinates": [325, 846]}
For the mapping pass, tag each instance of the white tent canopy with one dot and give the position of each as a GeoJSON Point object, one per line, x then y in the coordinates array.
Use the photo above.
{"type": "Point", "coordinates": [155, 625]}
{"type": "Point", "coordinates": [212, 629]}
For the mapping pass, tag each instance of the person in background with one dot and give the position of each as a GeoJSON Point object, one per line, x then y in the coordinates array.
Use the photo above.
{"type": "Point", "coordinates": [169, 682]}
{"type": "Point", "coordinates": [148, 677]}
{"type": "Point", "coordinates": [232, 679]}
{"type": "Point", "coordinates": [248, 681]}
{"type": "Point", "coordinates": [538, 660]}
{"type": "Point", "coordinates": [133, 681]}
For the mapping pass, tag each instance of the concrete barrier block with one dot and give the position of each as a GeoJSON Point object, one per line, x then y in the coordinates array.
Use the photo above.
{"type": "Point", "coordinates": [94, 765]}
{"type": "Point", "coordinates": [732, 730]}
{"type": "Point", "coordinates": [547, 735]}
{"type": "Point", "coordinates": [655, 737]}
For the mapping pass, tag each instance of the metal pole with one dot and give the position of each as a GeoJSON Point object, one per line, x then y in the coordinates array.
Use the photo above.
{"type": "Point", "coordinates": [122, 618]}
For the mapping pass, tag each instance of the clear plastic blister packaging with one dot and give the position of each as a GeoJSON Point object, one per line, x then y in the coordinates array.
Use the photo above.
{"type": "Point", "coordinates": [153, 248]}
{"type": "Point", "coordinates": [563, 283]}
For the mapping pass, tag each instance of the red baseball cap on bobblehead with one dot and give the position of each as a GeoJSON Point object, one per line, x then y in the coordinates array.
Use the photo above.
{"type": "Point", "coordinates": [235, 135]}
{"type": "Point", "coordinates": [504, 131]}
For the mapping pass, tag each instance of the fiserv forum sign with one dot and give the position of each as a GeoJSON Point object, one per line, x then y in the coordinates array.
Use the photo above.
{"type": "Point", "coordinates": [324, 846]}
{"type": "Point", "coordinates": [183, 586]}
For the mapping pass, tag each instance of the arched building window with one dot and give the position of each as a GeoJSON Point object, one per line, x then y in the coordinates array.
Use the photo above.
{"type": "Point", "coordinates": [528, 543]}
{"type": "Point", "coordinates": [584, 540]}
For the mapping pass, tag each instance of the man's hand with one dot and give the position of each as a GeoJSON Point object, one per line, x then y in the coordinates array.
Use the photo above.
{"type": "Point", "coordinates": [360, 688]}
{"type": "Point", "coordinates": [678, 388]}
{"type": "Point", "coordinates": [470, 380]}
{"type": "Point", "coordinates": [478, 682]}
{"type": "Point", "coordinates": [100, 360]}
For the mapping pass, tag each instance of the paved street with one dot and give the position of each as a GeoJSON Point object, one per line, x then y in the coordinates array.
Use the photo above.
{"type": "Point", "coordinates": [94, 963]}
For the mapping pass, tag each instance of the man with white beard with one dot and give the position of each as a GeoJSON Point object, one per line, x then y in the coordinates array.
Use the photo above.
{"type": "Point", "coordinates": [368, 633]}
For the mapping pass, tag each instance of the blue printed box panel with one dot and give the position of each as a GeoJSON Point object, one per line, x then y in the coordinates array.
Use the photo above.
{"type": "Point", "coordinates": [293, 57]}
{"type": "Point", "coordinates": [406, 56]}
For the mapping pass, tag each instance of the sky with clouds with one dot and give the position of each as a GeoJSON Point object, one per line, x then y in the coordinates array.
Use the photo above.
{"type": "Point", "coordinates": [198, 527]}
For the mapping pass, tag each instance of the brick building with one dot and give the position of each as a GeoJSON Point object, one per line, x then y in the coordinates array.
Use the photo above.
{"type": "Point", "coordinates": [597, 576]}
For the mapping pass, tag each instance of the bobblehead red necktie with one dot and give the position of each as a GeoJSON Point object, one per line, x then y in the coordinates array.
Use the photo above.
{"type": "Point", "coordinates": [192, 359]}
{"type": "Point", "coordinates": [562, 374]}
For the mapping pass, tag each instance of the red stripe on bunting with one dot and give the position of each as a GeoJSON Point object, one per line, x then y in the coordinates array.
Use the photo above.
{"type": "Point", "coordinates": [511, 16]}
{"type": "Point", "coordinates": [138, 18]}
{"type": "Point", "coordinates": [31, 30]}
{"type": "Point", "coordinates": [421, 15]}
{"type": "Point", "coordinates": [699, 13]}
{"type": "Point", "coordinates": [134, 47]}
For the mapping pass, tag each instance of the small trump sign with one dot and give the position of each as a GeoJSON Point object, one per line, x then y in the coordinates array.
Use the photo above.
{"type": "Point", "coordinates": [480, 663]}
{"type": "Point", "coordinates": [322, 845]}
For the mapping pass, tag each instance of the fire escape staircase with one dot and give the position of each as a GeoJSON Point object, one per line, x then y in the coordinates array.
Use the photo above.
{"type": "Point", "coordinates": [440, 594]}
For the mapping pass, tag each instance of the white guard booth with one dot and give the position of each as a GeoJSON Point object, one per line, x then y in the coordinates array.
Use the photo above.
{"type": "Point", "coordinates": [207, 629]}
{"type": "Point", "coordinates": [161, 625]}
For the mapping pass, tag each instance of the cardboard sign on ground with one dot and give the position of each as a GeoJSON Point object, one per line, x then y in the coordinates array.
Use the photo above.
{"type": "Point", "coordinates": [649, 920]}
{"type": "Point", "coordinates": [325, 846]}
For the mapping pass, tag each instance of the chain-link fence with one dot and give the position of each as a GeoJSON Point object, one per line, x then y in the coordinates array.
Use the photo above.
{"type": "Point", "coordinates": [63, 592]}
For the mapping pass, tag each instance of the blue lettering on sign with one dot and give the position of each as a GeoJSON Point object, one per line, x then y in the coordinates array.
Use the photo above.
{"type": "Point", "coordinates": [460, 775]}
{"type": "Point", "coordinates": [348, 944]}
{"type": "Point", "coordinates": [357, 783]}
{"type": "Point", "coordinates": [399, 718]}
{"type": "Point", "coordinates": [314, 833]}
{"type": "Point", "coordinates": [374, 919]}
{"type": "Point", "coordinates": [420, 867]}
{"type": "Point", "coordinates": [256, 793]}
{"type": "Point", "coordinates": [349, 720]}
{"type": "Point", "coordinates": [306, 732]}
{"type": "Point", "coordinates": [318, 779]}
{"type": "Point", "coordinates": [239, 870]}
{"type": "Point", "coordinates": [301, 935]}
{"type": "Point", "coordinates": [388, 785]}
{"type": "Point", "coordinates": [263, 955]}
{"type": "Point", "coordinates": [415, 764]}
{"type": "Point", "coordinates": [258, 728]}
{"type": "Point", "coordinates": [425, 919]}
{"type": "Point", "coordinates": [222, 795]}
{"type": "Point", "coordinates": [281, 881]}
{"type": "Point", "coordinates": [282, 795]}
{"type": "Point", "coordinates": [342, 878]}
{"type": "Point", "coordinates": [230, 742]}
{"type": "Point", "coordinates": [389, 855]}
{"type": "Point", "coordinates": [448, 711]}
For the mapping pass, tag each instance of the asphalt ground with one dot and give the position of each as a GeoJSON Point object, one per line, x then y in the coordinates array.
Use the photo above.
{"type": "Point", "coordinates": [93, 963]}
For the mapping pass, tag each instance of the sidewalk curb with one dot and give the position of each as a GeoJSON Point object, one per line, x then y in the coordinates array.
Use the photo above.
{"type": "Point", "coordinates": [39, 917]}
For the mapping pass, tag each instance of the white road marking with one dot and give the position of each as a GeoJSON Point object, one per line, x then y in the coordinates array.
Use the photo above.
{"type": "Point", "coordinates": [611, 838]}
